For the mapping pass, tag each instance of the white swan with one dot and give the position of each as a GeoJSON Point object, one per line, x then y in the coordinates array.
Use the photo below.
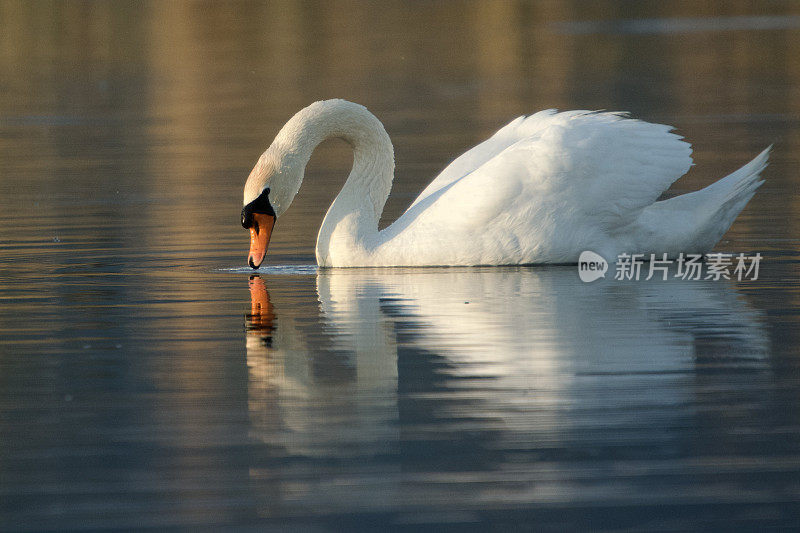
{"type": "Point", "coordinates": [540, 190]}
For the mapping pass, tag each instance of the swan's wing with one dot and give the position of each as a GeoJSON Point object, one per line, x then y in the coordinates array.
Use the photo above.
{"type": "Point", "coordinates": [599, 167]}
{"type": "Point", "coordinates": [516, 130]}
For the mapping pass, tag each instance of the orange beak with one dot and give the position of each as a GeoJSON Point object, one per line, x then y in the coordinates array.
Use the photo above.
{"type": "Point", "coordinates": [260, 233]}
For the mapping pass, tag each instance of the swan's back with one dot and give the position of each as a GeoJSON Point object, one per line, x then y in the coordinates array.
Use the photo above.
{"type": "Point", "coordinates": [589, 147]}
{"type": "Point", "coordinates": [542, 189]}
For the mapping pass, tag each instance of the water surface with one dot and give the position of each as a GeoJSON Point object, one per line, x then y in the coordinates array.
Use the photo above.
{"type": "Point", "coordinates": [149, 379]}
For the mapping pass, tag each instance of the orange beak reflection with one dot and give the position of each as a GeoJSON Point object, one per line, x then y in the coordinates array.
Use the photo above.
{"type": "Point", "coordinates": [260, 233]}
{"type": "Point", "coordinates": [260, 321]}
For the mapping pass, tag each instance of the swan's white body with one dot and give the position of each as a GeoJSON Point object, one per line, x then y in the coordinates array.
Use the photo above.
{"type": "Point", "coordinates": [542, 189]}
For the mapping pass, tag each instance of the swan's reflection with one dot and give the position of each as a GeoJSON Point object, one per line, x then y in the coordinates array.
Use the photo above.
{"type": "Point", "coordinates": [529, 325]}
{"type": "Point", "coordinates": [475, 370]}
{"type": "Point", "coordinates": [304, 382]}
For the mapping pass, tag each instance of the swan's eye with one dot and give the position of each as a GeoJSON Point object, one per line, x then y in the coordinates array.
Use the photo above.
{"type": "Point", "coordinates": [259, 205]}
{"type": "Point", "coordinates": [247, 219]}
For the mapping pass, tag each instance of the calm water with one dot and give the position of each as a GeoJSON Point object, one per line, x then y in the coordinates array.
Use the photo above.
{"type": "Point", "coordinates": [148, 380]}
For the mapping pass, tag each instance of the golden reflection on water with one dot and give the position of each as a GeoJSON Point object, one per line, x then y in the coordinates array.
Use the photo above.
{"type": "Point", "coordinates": [213, 82]}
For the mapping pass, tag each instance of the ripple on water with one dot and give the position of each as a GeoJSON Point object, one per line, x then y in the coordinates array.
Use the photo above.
{"type": "Point", "coordinates": [286, 270]}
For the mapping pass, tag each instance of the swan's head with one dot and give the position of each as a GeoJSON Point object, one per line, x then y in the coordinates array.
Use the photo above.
{"type": "Point", "coordinates": [270, 188]}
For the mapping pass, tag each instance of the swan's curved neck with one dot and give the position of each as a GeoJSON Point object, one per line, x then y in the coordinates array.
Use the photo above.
{"type": "Point", "coordinates": [352, 220]}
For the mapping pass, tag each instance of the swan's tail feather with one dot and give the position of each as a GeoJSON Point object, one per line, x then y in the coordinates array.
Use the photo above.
{"type": "Point", "coordinates": [746, 178]}
{"type": "Point", "coordinates": [698, 220]}
{"type": "Point", "coordinates": [726, 198]}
